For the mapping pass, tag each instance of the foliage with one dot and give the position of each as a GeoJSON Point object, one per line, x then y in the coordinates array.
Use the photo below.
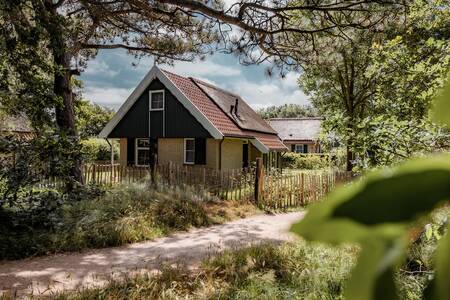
{"type": "Point", "coordinates": [304, 161]}
{"type": "Point", "coordinates": [287, 111]}
{"type": "Point", "coordinates": [32, 160]}
{"type": "Point", "coordinates": [91, 118]}
{"type": "Point", "coordinates": [98, 150]}
{"type": "Point", "coordinates": [125, 214]}
{"type": "Point", "coordinates": [377, 85]}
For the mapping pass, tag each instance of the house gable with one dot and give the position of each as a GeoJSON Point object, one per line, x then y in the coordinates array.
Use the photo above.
{"type": "Point", "coordinates": [156, 73]}
{"type": "Point", "coordinates": [174, 121]}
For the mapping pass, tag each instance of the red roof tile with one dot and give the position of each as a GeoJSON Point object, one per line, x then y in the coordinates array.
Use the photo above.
{"type": "Point", "coordinates": [217, 116]}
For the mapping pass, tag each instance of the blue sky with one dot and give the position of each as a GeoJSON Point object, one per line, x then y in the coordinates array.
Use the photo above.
{"type": "Point", "coordinates": [111, 77]}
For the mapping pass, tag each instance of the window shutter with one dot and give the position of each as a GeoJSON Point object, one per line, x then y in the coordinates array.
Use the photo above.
{"type": "Point", "coordinates": [293, 147]}
{"type": "Point", "coordinates": [200, 151]}
{"type": "Point", "coordinates": [305, 148]}
{"type": "Point", "coordinates": [130, 151]}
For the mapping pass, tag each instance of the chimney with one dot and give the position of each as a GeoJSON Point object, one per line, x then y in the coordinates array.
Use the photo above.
{"type": "Point", "coordinates": [236, 107]}
{"type": "Point", "coordinates": [231, 109]}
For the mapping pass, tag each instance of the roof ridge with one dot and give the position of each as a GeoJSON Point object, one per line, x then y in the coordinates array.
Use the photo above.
{"type": "Point", "coordinates": [297, 119]}
{"type": "Point", "coordinates": [215, 87]}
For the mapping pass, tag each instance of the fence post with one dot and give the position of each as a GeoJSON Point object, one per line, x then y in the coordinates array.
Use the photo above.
{"type": "Point", "coordinates": [259, 178]}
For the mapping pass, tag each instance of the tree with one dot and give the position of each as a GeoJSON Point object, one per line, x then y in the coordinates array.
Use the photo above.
{"type": "Point", "coordinates": [376, 91]}
{"type": "Point", "coordinates": [91, 118]}
{"type": "Point", "coordinates": [336, 82]}
{"type": "Point", "coordinates": [287, 111]}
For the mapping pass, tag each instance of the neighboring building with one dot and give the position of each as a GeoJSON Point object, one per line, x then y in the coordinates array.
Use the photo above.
{"type": "Point", "coordinates": [19, 126]}
{"type": "Point", "coordinates": [190, 122]}
{"type": "Point", "coordinates": [300, 135]}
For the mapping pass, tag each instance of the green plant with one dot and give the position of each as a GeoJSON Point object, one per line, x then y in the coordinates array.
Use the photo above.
{"type": "Point", "coordinates": [378, 212]}
{"type": "Point", "coordinates": [97, 150]}
{"type": "Point", "coordinates": [304, 161]}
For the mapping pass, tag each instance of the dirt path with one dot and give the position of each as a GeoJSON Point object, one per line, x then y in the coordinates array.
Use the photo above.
{"type": "Point", "coordinates": [45, 275]}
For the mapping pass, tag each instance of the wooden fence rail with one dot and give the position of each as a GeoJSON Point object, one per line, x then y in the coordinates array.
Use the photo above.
{"type": "Point", "coordinates": [273, 189]}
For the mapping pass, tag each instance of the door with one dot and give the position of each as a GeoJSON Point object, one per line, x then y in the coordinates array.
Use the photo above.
{"type": "Point", "coordinates": [245, 155]}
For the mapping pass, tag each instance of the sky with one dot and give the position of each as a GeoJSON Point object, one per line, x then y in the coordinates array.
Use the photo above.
{"type": "Point", "coordinates": [113, 74]}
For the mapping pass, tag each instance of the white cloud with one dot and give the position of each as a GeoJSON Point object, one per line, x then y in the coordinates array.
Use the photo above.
{"type": "Point", "coordinates": [269, 93]}
{"type": "Point", "coordinates": [203, 69]}
{"type": "Point", "coordinates": [107, 96]}
{"type": "Point", "coordinates": [96, 67]}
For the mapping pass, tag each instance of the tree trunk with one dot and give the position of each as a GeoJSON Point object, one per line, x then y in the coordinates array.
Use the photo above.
{"type": "Point", "coordinates": [349, 166]}
{"type": "Point", "coordinates": [65, 116]}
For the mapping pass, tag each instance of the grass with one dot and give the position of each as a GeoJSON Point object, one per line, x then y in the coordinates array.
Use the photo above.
{"type": "Point", "coordinates": [267, 271]}
{"type": "Point", "coordinates": [124, 215]}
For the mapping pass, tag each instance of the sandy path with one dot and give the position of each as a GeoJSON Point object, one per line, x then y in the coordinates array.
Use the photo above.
{"type": "Point", "coordinates": [44, 275]}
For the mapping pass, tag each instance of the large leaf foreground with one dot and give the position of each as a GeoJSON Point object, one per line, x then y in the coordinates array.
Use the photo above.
{"type": "Point", "coordinates": [375, 211]}
{"type": "Point", "coordinates": [383, 202]}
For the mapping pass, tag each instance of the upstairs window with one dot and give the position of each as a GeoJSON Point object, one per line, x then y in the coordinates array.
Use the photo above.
{"type": "Point", "coordinates": [157, 100]}
{"type": "Point", "coordinates": [189, 151]}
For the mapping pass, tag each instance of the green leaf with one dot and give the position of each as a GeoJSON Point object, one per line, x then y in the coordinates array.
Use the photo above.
{"type": "Point", "coordinates": [383, 202]}
{"type": "Point", "coordinates": [441, 110]}
{"type": "Point", "coordinates": [442, 265]}
{"type": "Point", "coordinates": [373, 276]}
{"type": "Point", "coordinates": [406, 191]}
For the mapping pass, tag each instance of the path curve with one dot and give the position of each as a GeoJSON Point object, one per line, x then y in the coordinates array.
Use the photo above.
{"type": "Point", "coordinates": [45, 275]}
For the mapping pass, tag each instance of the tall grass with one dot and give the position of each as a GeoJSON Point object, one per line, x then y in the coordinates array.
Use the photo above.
{"type": "Point", "coordinates": [125, 214]}
{"type": "Point", "coordinates": [267, 271]}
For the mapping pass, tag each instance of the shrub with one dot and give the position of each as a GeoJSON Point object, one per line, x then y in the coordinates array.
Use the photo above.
{"type": "Point", "coordinates": [98, 150]}
{"type": "Point", "coordinates": [304, 161]}
{"type": "Point", "coordinates": [123, 215]}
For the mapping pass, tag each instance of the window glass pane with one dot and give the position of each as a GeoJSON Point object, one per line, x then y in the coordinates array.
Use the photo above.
{"type": "Point", "coordinates": [143, 143]}
{"type": "Point", "coordinates": [189, 156]}
{"type": "Point", "coordinates": [190, 145]}
{"type": "Point", "coordinates": [143, 157]}
{"type": "Point", "coordinates": [157, 100]}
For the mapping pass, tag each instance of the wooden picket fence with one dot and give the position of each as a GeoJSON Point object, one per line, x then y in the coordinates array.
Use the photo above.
{"type": "Point", "coordinates": [271, 189]}
{"type": "Point", "coordinates": [282, 191]}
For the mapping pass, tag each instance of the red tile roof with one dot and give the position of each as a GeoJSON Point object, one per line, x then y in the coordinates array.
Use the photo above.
{"type": "Point", "coordinates": [221, 120]}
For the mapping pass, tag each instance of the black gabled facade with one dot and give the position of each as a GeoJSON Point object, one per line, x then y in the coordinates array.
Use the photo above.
{"type": "Point", "coordinates": [174, 122]}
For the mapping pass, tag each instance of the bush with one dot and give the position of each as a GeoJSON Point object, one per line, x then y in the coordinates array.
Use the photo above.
{"type": "Point", "coordinates": [98, 150]}
{"type": "Point", "coordinates": [123, 215]}
{"type": "Point", "coordinates": [304, 161]}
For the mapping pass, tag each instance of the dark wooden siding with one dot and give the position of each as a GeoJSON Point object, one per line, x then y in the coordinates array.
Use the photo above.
{"type": "Point", "coordinates": [131, 150]}
{"type": "Point", "coordinates": [178, 121]}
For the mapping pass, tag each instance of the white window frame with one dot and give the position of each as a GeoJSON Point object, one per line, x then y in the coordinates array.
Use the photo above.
{"type": "Point", "coordinates": [136, 148]}
{"type": "Point", "coordinates": [302, 148]}
{"type": "Point", "coordinates": [163, 101]}
{"type": "Point", "coordinates": [184, 151]}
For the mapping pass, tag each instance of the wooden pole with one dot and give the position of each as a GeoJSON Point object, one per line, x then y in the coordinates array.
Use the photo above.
{"type": "Point", "coordinates": [258, 179]}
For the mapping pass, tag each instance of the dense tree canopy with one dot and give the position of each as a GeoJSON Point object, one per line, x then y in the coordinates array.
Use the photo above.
{"type": "Point", "coordinates": [374, 88]}
{"type": "Point", "coordinates": [287, 111]}
{"type": "Point", "coordinates": [91, 118]}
